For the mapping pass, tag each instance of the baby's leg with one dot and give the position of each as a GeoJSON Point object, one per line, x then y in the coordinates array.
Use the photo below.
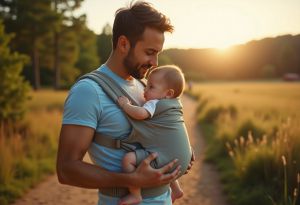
{"type": "Point", "coordinates": [129, 165]}
{"type": "Point", "coordinates": [129, 162]}
{"type": "Point", "coordinates": [176, 190]}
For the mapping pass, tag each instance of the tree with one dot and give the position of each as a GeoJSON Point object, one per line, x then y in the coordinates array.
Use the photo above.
{"type": "Point", "coordinates": [12, 85]}
{"type": "Point", "coordinates": [88, 59]}
{"type": "Point", "coordinates": [68, 55]}
{"type": "Point", "coordinates": [163, 59]}
{"type": "Point", "coordinates": [31, 21]}
{"type": "Point", "coordinates": [64, 9]}
{"type": "Point", "coordinates": [104, 43]}
{"type": "Point", "coordinates": [268, 71]}
{"type": "Point", "coordinates": [77, 51]}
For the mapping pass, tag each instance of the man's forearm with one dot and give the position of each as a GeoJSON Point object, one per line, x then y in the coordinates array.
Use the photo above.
{"type": "Point", "coordinates": [73, 145]}
{"type": "Point", "coordinates": [82, 174]}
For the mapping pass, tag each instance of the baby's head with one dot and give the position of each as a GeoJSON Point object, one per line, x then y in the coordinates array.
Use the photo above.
{"type": "Point", "coordinates": [165, 82]}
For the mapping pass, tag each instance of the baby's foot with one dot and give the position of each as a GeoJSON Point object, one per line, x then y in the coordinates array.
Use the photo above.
{"type": "Point", "coordinates": [176, 194]}
{"type": "Point", "coordinates": [130, 200]}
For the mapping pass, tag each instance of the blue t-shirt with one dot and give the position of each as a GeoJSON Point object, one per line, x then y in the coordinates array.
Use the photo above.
{"type": "Point", "coordinates": [88, 105]}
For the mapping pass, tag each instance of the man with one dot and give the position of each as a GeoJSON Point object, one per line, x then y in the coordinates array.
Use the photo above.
{"type": "Point", "coordinates": [138, 37]}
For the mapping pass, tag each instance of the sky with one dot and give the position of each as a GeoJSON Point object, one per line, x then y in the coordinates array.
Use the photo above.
{"type": "Point", "coordinates": [209, 23]}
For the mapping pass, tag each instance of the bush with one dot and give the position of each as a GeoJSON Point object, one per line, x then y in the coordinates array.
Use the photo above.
{"type": "Point", "coordinates": [212, 115]}
{"type": "Point", "coordinates": [253, 195]}
{"type": "Point", "coordinates": [233, 112]}
{"type": "Point", "coordinates": [12, 85]}
{"type": "Point", "coordinates": [8, 193]}
{"type": "Point", "coordinates": [249, 126]}
{"type": "Point", "coordinates": [260, 167]}
{"type": "Point", "coordinates": [202, 104]}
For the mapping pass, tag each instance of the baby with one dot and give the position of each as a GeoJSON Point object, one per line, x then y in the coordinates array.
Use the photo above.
{"type": "Point", "coordinates": [164, 87]}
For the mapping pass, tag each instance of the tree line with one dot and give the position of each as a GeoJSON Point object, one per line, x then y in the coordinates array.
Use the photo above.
{"type": "Point", "coordinates": [269, 58]}
{"type": "Point", "coordinates": [58, 45]}
{"type": "Point", "coordinates": [42, 43]}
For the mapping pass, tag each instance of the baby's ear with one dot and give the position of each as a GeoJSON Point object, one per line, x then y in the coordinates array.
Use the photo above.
{"type": "Point", "coordinates": [170, 93]}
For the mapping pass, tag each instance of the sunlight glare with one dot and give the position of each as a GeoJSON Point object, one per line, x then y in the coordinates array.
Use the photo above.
{"type": "Point", "coordinates": [219, 27]}
{"type": "Point", "coordinates": [210, 24]}
{"type": "Point", "coordinates": [223, 49]}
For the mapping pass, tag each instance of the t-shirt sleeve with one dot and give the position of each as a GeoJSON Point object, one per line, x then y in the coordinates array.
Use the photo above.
{"type": "Point", "coordinates": [82, 106]}
{"type": "Point", "coordinates": [150, 106]}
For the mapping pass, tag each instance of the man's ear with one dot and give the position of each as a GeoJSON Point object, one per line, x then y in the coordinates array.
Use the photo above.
{"type": "Point", "coordinates": [123, 44]}
{"type": "Point", "coordinates": [170, 93]}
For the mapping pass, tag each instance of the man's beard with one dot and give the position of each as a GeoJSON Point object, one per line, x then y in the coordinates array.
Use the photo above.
{"type": "Point", "coordinates": [133, 68]}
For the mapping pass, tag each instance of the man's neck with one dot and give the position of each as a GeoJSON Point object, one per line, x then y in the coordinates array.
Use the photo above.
{"type": "Point", "coordinates": [115, 65]}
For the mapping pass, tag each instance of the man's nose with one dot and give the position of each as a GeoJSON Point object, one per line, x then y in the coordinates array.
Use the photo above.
{"type": "Point", "coordinates": [154, 61]}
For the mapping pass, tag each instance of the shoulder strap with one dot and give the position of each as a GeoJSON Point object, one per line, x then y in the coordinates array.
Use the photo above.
{"type": "Point", "coordinates": [109, 86]}
{"type": "Point", "coordinates": [113, 90]}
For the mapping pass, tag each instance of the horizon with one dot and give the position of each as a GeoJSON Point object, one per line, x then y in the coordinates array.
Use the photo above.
{"type": "Point", "coordinates": [222, 24]}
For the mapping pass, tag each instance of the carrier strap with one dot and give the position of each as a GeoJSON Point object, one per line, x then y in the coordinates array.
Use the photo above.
{"type": "Point", "coordinates": [114, 91]}
{"type": "Point", "coordinates": [146, 193]}
{"type": "Point", "coordinates": [109, 86]}
{"type": "Point", "coordinates": [109, 142]}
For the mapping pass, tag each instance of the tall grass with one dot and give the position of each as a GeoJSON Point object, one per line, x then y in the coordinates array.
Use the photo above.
{"type": "Point", "coordinates": [249, 127]}
{"type": "Point", "coordinates": [28, 148]}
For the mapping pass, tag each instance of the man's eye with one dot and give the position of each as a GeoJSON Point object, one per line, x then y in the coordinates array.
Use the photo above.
{"type": "Point", "coordinates": [150, 53]}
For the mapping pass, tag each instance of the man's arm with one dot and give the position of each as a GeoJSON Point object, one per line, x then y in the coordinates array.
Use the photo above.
{"type": "Point", "coordinates": [72, 170]}
{"type": "Point", "coordinates": [136, 112]}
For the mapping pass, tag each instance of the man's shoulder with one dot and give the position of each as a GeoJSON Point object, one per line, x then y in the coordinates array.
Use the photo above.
{"type": "Point", "coordinates": [87, 85]}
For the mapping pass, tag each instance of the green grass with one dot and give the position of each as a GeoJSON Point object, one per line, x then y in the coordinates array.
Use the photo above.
{"type": "Point", "coordinates": [249, 126]}
{"type": "Point", "coordinates": [28, 152]}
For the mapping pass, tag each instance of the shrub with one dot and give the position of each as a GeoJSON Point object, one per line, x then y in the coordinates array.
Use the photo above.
{"type": "Point", "coordinates": [249, 126]}
{"type": "Point", "coordinates": [12, 85]}
{"type": "Point", "coordinates": [212, 115]}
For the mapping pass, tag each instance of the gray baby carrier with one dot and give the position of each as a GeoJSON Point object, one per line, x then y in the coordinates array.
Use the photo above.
{"type": "Point", "coordinates": [166, 126]}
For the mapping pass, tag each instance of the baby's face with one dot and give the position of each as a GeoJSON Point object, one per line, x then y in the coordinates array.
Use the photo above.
{"type": "Point", "coordinates": [156, 87]}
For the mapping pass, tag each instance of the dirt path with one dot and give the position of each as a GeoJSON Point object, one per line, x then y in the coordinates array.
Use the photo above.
{"type": "Point", "coordinates": [201, 186]}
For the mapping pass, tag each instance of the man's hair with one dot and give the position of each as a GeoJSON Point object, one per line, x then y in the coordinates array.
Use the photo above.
{"type": "Point", "coordinates": [173, 77]}
{"type": "Point", "coordinates": [131, 22]}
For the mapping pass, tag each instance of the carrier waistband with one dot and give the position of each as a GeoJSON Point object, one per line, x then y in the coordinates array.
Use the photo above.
{"type": "Point", "coordinates": [146, 193]}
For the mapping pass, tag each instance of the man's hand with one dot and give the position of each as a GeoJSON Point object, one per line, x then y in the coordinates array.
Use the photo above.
{"type": "Point", "coordinates": [193, 158]}
{"type": "Point", "coordinates": [146, 176]}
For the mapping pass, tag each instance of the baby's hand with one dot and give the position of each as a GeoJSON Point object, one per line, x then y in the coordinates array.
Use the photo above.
{"type": "Point", "coordinates": [123, 100]}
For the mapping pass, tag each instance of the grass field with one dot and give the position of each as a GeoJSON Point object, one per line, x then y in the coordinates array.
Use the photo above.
{"type": "Point", "coordinates": [28, 150]}
{"type": "Point", "coordinates": [251, 163]}
{"type": "Point", "coordinates": [252, 128]}
{"type": "Point", "coordinates": [282, 99]}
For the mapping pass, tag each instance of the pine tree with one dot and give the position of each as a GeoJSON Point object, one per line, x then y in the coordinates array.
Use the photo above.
{"type": "Point", "coordinates": [64, 9]}
{"type": "Point", "coordinates": [104, 43]}
{"type": "Point", "coordinates": [68, 55]}
{"type": "Point", "coordinates": [88, 59]}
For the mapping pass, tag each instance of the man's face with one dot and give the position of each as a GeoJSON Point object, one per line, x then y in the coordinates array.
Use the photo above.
{"type": "Point", "coordinates": [145, 53]}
